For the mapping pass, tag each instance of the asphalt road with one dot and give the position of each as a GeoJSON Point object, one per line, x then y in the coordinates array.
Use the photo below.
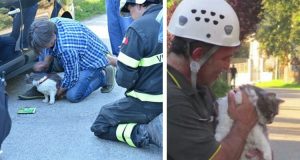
{"type": "Point", "coordinates": [62, 131]}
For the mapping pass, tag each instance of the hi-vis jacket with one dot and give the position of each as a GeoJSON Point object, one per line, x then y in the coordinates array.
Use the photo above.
{"type": "Point", "coordinates": [139, 67]}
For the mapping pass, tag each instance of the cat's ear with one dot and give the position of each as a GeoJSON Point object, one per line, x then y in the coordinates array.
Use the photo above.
{"type": "Point", "coordinates": [272, 95]}
{"type": "Point", "coordinates": [279, 100]}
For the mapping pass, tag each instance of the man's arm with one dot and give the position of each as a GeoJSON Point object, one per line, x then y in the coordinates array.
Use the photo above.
{"type": "Point", "coordinates": [43, 65]}
{"type": "Point", "coordinates": [245, 118]}
{"type": "Point", "coordinates": [112, 60]}
{"type": "Point", "coordinates": [70, 61]}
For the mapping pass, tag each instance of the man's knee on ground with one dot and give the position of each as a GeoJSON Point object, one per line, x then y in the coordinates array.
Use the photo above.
{"type": "Point", "coordinates": [99, 129]}
{"type": "Point", "coordinates": [73, 98]}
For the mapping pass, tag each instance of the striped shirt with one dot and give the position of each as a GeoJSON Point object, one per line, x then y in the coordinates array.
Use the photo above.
{"type": "Point", "coordinates": [77, 48]}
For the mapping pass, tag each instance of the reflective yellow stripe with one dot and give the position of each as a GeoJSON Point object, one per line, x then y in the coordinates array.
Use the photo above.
{"type": "Point", "coordinates": [215, 153]}
{"type": "Point", "coordinates": [131, 62]}
{"type": "Point", "coordinates": [119, 132]}
{"type": "Point", "coordinates": [145, 96]}
{"type": "Point", "coordinates": [149, 61]}
{"type": "Point", "coordinates": [127, 134]}
{"type": "Point", "coordinates": [174, 79]}
{"type": "Point", "coordinates": [144, 62]}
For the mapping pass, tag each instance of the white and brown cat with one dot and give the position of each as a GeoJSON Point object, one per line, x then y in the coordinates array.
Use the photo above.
{"type": "Point", "coordinates": [267, 106]}
{"type": "Point", "coordinates": [46, 83]}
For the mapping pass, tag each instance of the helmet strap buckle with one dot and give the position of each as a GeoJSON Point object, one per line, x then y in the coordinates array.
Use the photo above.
{"type": "Point", "coordinates": [196, 65]}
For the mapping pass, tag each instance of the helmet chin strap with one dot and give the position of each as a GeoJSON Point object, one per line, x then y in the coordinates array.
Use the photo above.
{"type": "Point", "coordinates": [196, 65]}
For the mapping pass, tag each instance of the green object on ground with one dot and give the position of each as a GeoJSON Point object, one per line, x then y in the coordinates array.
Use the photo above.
{"type": "Point", "coordinates": [26, 110]}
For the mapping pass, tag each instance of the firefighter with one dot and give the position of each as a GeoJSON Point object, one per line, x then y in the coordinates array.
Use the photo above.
{"type": "Point", "coordinates": [5, 120]}
{"type": "Point", "coordinates": [133, 119]}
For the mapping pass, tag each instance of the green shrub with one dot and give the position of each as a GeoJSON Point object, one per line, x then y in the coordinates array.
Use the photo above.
{"type": "Point", "coordinates": [220, 88]}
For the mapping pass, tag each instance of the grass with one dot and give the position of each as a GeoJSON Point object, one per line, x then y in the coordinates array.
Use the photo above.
{"type": "Point", "coordinates": [278, 84]}
{"type": "Point", "coordinates": [85, 9]}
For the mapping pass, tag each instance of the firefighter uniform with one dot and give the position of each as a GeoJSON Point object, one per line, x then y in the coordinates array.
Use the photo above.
{"type": "Point", "coordinates": [139, 70]}
{"type": "Point", "coordinates": [5, 120]}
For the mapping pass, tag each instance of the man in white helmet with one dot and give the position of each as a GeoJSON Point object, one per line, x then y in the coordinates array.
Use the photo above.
{"type": "Point", "coordinates": [206, 34]}
{"type": "Point", "coordinates": [136, 119]}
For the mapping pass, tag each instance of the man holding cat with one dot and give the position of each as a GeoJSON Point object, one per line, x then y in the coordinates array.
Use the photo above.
{"type": "Point", "coordinates": [206, 34]}
{"type": "Point", "coordinates": [76, 49]}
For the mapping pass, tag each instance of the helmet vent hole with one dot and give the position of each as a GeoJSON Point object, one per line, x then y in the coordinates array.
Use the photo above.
{"type": "Point", "coordinates": [208, 35]}
{"type": "Point", "coordinates": [193, 10]}
{"type": "Point", "coordinates": [197, 18]}
{"type": "Point", "coordinates": [203, 11]}
{"type": "Point", "coordinates": [206, 20]}
{"type": "Point", "coordinates": [212, 13]}
{"type": "Point", "coordinates": [215, 22]}
{"type": "Point", "coordinates": [222, 16]}
{"type": "Point", "coordinates": [182, 20]}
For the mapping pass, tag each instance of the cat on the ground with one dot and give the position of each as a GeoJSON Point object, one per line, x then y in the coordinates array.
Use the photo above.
{"type": "Point", "coordinates": [267, 106]}
{"type": "Point", "coordinates": [46, 83]}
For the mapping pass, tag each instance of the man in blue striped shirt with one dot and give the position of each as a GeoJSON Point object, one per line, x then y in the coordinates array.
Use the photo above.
{"type": "Point", "coordinates": [80, 53]}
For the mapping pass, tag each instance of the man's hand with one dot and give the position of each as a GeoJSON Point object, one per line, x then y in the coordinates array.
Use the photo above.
{"type": "Point", "coordinates": [40, 66]}
{"type": "Point", "coordinates": [245, 113]}
{"type": "Point", "coordinates": [60, 93]}
{"type": "Point", "coordinates": [112, 60]}
{"type": "Point", "coordinates": [43, 65]}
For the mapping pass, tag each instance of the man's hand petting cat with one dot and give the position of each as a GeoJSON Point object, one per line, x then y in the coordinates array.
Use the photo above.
{"type": "Point", "coordinates": [41, 66]}
{"type": "Point", "coordinates": [112, 60]}
{"type": "Point", "coordinates": [60, 93]}
{"type": "Point", "coordinates": [243, 114]}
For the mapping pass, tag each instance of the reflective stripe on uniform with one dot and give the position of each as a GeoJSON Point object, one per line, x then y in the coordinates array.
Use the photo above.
{"type": "Point", "coordinates": [119, 132]}
{"type": "Point", "coordinates": [144, 62]}
{"type": "Point", "coordinates": [149, 61]}
{"type": "Point", "coordinates": [131, 62]}
{"type": "Point", "coordinates": [145, 96]}
{"type": "Point", "coordinates": [127, 134]}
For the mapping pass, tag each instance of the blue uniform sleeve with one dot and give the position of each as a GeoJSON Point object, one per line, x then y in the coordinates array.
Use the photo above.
{"type": "Point", "coordinates": [131, 53]}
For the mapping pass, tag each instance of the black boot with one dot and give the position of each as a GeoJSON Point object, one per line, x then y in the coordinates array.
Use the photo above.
{"type": "Point", "coordinates": [110, 79]}
{"type": "Point", "coordinates": [32, 93]}
{"type": "Point", "coordinates": [155, 130]}
{"type": "Point", "coordinates": [150, 133]}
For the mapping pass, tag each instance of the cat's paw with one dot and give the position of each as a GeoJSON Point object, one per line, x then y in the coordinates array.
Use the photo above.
{"type": "Point", "coordinates": [51, 102]}
{"type": "Point", "coordinates": [45, 100]}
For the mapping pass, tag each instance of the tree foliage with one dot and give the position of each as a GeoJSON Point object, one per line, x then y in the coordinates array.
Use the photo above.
{"type": "Point", "coordinates": [279, 29]}
{"type": "Point", "coordinates": [247, 12]}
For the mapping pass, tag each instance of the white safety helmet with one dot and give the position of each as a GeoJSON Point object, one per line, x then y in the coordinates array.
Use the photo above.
{"type": "Point", "coordinates": [123, 7]}
{"type": "Point", "coordinates": [210, 21]}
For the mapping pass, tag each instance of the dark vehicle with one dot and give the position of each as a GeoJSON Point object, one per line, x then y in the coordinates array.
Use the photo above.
{"type": "Point", "coordinates": [16, 17]}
